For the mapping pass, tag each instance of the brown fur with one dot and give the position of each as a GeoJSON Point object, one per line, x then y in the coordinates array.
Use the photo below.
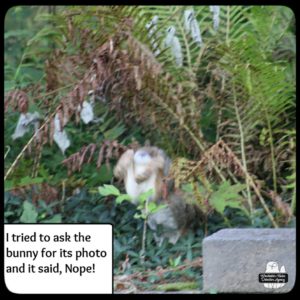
{"type": "Point", "coordinates": [179, 215]}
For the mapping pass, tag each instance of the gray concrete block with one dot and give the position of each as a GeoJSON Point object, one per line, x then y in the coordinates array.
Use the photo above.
{"type": "Point", "coordinates": [234, 258]}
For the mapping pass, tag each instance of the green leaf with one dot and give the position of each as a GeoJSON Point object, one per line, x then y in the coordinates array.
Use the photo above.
{"type": "Point", "coordinates": [177, 261]}
{"type": "Point", "coordinates": [290, 186]}
{"type": "Point", "coordinates": [108, 190]}
{"type": "Point", "coordinates": [104, 174]}
{"type": "Point", "coordinates": [28, 180]}
{"type": "Point", "coordinates": [8, 185]}
{"type": "Point", "coordinates": [55, 219]}
{"type": "Point", "coordinates": [29, 214]}
{"type": "Point", "coordinates": [122, 198]}
{"type": "Point", "coordinates": [9, 85]}
{"type": "Point", "coordinates": [44, 33]}
{"type": "Point", "coordinates": [139, 216]}
{"type": "Point", "coordinates": [16, 33]}
{"type": "Point", "coordinates": [146, 195]}
{"type": "Point", "coordinates": [177, 286]}
{"type": "Point", "coordinates": [227, 196]}
{"type": "Point", "coordinates": [188, 188]}
{"type": "Point", "coordinates": [43, 172]}
{"type": "Point", "coordinates": [153, 278]}
{"type": "Point", "coordinates": [8, 213]}
{"type": "Point", "coordinates": [153, 207]}
{"type": "Point", "coordinates": [114, 132]}
{"type": "Point", "coordinates": [103, 127]}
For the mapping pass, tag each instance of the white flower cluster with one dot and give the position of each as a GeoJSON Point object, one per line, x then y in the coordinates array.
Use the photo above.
{"type": "Point", "coordinates": [152, 34]}
{"type": "Point", "coordinates": [215, 9]}
{"type": "Point", "coordinates": [24, 123]}
{"type": "Point", "coordinates": [191, 26]}
{"type": "Point", "coordinates": [60, 135]}
{"type": "Point", "coordinates": [172, 41]}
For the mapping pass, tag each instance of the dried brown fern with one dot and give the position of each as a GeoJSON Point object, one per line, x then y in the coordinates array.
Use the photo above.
{"type": "Point", "coordinates": [139, 91]}
{"type": "Point", "coordinates": [283, 208]}
{"type": "Point", "coordinates": [17, 100]}
{"type": "Point", "coordinates": [130, 81]}
{"type": "Point", "coordinates": [220, 154]}
{"type": "Point", "coordinates": [107, 151]}
{"type": "Point", "coordinates": [41, 191]}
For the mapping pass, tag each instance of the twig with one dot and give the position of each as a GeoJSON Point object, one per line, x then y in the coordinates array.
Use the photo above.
{"type": "Point", "coordinates": [8, 149]}
{"type": "Point", "coordinates": [52, 92]}
{"type": "Point", "coordinates": [261, 199]}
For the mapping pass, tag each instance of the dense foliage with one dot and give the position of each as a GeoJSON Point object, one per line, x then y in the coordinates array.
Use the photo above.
{"type": "Point", "coordinates": [212, 86]}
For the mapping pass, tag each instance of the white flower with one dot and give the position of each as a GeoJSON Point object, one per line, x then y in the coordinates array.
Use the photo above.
{"type": "Point", "coordinates": [24, 122]}
{"type": "Point", "coordinates": [86, 112]}
{"type": "Point", "coordinates": [215, 9]}
{"type": "Point", "coordinates": [191, 26]}
{"type": "Point", "coordinates": [152, 26]}
{"type": "Point", "coordinates": [172, 41]}
{"type": "Point", "coordinates": [60, 136]}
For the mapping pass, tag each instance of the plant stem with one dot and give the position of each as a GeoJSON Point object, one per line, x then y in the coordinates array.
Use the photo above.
{"type": "Point", "coordinates": [143, 250]}
{"type": "Point", "coordinates": [272, 153]}
{"type": "Point", "coordinates": [256, 190]}
{"type": "Point", "coordinates": [8, 150]}
{"type": "Point", "coordinates": [231, 175]}
{"type": "Point", "coordinates": [242, 144]}
{"type": "Point", "coordinates": [262, 201]}
{"type": "Point", "coordinates": [19, 67]}
{"type": "Point", "coordinates": [228, 25]}
{"type": "Point", "coordinates": [186, 44]}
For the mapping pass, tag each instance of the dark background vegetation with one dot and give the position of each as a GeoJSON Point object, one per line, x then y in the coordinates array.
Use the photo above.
{"type": "Point", "coordinates": [237, 88]}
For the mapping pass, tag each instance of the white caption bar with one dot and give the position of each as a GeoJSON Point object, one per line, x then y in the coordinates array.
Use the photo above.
{"type": "Point", "coordinates": [58, 258]}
